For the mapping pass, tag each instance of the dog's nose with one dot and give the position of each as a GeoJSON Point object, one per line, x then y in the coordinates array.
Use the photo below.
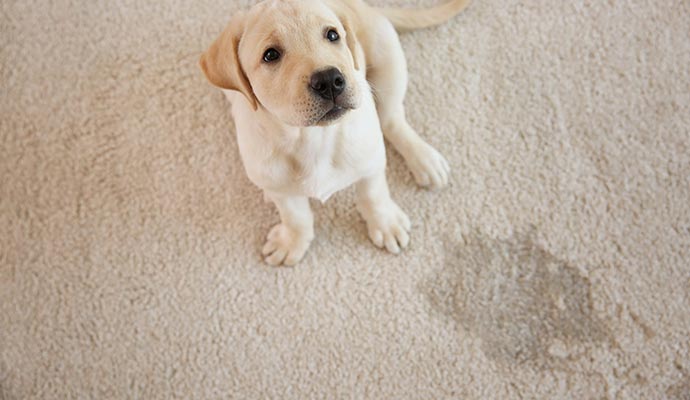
{"type": "Point", "coordinates": [328, 83]}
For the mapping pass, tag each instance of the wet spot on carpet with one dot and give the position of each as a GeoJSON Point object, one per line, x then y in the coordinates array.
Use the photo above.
{"type": "Point", "coordinates": [526, 305]}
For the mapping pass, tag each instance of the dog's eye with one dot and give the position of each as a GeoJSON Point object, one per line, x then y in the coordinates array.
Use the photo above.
{"type": "Point", "coordinates": [332, 35]}
{"type": "Point", "coordinates": [271, 55]}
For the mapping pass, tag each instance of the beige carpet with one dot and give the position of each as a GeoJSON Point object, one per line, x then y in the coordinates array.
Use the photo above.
{"type": "Point", "coordinates": [556, 265]}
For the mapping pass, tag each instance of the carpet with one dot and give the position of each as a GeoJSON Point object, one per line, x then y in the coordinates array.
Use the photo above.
{"type": "Point", "coordinates": [556, 265]}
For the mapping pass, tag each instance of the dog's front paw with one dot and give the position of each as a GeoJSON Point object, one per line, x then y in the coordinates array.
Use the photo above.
{"type": "Point", "coordinates": [285, 245]}
{"type": "Point", "coordinates": [428, 166]}
{"type": "Point", "coordinates": [388, 227]}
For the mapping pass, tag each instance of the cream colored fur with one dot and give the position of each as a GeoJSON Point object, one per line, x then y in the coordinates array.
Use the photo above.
{"type": "Point", "coordinates": [287, 149]}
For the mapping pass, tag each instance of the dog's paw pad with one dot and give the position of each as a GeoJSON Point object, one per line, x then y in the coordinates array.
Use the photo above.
{"type": "Point", "coordinates": [388, 228]}
{"type": "Point", "coordinates": [428, 166]}
{"type": "Point", "coordinates": [285, 246]}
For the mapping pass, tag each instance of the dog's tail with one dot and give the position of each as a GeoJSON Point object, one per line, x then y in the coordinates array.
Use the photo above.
{"type": "Point", "coordinates": [408, 19]}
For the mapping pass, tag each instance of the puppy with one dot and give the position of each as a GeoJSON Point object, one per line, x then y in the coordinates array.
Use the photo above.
{"type": "Point", "coordinates": [315, 85]}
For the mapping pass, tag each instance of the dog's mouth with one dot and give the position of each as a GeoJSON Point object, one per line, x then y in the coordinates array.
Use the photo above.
{"type": "Point", "coordinates": [333, 114]}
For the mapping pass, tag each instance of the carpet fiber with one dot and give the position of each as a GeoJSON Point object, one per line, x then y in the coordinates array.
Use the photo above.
{"type": "Point", "coordinates": [556, 265]}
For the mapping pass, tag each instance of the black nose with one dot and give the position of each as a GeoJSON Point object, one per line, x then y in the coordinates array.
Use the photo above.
{"type": "Point", "coordinates": [328, 83]}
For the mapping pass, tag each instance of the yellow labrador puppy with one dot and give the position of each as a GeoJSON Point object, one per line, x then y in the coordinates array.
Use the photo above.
{"type": "Point", "coordinates": [314, 86]}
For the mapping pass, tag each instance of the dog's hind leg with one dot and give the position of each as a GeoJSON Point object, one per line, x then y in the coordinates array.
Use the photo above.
{"type": "Point", "coordinates": [388, 75]}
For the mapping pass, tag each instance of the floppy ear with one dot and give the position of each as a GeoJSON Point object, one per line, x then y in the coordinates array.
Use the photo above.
{"type": "Point", "coordinates": [352, 42]}
{"type": "Point", "coordinates": [221, 63]}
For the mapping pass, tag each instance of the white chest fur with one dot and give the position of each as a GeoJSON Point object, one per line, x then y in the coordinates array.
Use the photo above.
{"type": "Point", "coordinates": [313, 161]}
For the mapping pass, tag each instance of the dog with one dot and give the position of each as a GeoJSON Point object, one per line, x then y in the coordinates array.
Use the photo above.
{"type": "Point", "coordinates": [315, 86]}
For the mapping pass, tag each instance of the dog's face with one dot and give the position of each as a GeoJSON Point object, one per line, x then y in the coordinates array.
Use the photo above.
{"type": "Point", "coordinates": [295, 58]}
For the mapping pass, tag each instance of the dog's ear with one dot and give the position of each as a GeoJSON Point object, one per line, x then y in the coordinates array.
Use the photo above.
{"type": "Point", "coordinates": [351, 38]}
{"type": "Point", "coordinates": [221, 63]}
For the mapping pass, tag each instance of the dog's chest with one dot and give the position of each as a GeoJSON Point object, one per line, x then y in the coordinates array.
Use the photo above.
{"type": "Point", "coordinates": [333, 160]}
{"type": "Point", "coordinates": [319, 161]}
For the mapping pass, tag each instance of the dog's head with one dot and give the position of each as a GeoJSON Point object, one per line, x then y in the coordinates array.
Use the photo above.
{"type": "Point", "coordinates": [295, 58]}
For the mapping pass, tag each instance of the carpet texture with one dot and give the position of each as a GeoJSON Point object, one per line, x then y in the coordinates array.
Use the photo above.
{"type": "Point", "coordinates": [556, 265]}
